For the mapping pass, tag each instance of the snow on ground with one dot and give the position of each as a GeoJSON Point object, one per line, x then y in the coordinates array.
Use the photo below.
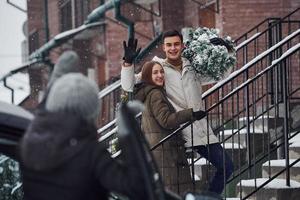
{"type": "Point", "coordinates": [275, 184]}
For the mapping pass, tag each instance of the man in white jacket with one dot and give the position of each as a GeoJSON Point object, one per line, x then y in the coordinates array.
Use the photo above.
{"type": "Point", "coordinates": [184, 91]}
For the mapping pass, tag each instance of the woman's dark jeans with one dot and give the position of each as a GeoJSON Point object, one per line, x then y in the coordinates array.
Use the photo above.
{"type": "Point", "coordinates": [214, 154]}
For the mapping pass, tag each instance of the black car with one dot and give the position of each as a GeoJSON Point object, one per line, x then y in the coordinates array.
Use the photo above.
{"type": "Point", "coordinates": [14, 121]}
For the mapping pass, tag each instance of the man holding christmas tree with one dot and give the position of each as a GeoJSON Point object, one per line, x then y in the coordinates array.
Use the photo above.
{"type": "Point", "coordinates": [184, 91]}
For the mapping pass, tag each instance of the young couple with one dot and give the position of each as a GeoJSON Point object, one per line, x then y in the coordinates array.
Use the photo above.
{"type": "Point", "coordinates": [171, 93]}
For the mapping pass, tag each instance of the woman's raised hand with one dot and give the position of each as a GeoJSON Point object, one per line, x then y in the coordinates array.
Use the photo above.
{"type": "Point", "coordinates": [130, 51]}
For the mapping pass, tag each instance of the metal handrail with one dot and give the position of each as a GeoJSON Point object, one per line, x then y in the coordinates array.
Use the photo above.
{"type": "Point", "coordinates": [250, 80]}
{"type": "Point", "coordinates": [250, 64]}
{"type": "Point", "coordinates": [242, 70]}
{"type": "Point", "coordinates": [240, 46]}
{"type": "Point", "coordinates": [270, 179]}
{"type": "Point", "coordinates": [283, 57]}
{"type": "Point", "coordinates": [264, 21]}
{"type": "Point", "coordinates": [289, 53]}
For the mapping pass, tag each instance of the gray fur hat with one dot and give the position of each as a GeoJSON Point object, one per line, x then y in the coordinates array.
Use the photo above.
{"type": "Point", "coordinates": [68, 62]}
{"type": "Point", "coordinates": [76, 94]}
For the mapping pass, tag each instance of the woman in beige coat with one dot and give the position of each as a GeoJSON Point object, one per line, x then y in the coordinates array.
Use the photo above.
{"type": "Point", "coordinates": [159, 119]}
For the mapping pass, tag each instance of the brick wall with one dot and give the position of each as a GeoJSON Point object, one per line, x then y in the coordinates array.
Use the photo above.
{"type": "Point", "coordinates": [35, 18]}
{"type": "Point", "coordinates": [237, 17]}
{"type": "Point", "coordinates": [36, 38]}
{"type": "Point", "coordinates": [172, 14]}
{"type": "Point", "coordinates": [234, 18]}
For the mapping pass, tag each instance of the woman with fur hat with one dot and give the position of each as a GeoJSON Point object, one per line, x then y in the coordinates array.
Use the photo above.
{"type": "Point", "coordinates": [61, 157]}
{"type": "Point", "coordinates": [159, 119]}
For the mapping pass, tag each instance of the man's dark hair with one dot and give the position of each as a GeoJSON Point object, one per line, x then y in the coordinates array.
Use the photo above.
{"type": "Point", "coordinates": [171, 33]}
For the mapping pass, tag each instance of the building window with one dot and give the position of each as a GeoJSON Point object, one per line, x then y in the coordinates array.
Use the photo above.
{"type": "Point", "coordinates": [79, 8]}
{"type": "Point", "coordinates": [82, 9]}
{"type": "Point", "coordinates": [65, 16]}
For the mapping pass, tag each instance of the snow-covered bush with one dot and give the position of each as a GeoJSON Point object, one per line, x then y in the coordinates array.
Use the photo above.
{"type": "Point", "coordinates": [10, 180]}
{"type": "Point", "coordinates": [206, 58]}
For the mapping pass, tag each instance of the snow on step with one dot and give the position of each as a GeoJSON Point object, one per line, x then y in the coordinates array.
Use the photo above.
{"type": "Point", "coordinates": [277, 165]}
{"type": "Point", "coordinates": [229, 132]}
{"type": "Point", "coordinates": [240, 136]}
{"type": "Point", "coordinates": [201, 161]}
{"type": "Point", "coordinates": [196, 177]}
{"type": "Point", "coordinates": [260, 117]}
{"type": "Point", "coordinates": [295, 139]}
{"type": "Point", "coordinates": [280, 163]}
{"type": "Point", "coordinates": [232, 146]}
{"type": "Point", "coordinates": [295, 144]}
{"type": "Point", "coordinates": [232, 198]}
{"type": "Point", "coordinates": [275, 184]}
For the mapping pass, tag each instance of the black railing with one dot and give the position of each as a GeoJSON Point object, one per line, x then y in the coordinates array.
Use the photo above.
{"type": "Point", "coordinates": [246, 48]}
{"type": "Point", "coordinates": [229, 108]}
{"type": "Point", "coordinates": [265, 145]}
{"type": "Point", "coordinates": [256, 92]}
{"type": "Point", "coordinates": [259, 139]}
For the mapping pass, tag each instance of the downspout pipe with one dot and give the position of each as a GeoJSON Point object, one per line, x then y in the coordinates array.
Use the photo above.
{"type": "Point", "coordinates": [98, 13]}
{"type": "Point", "coordinates": [123, 19]}
{"type": "Point", "coordinates": [46, 21]}
{"type": "Point", "coordinates": [116, 4]}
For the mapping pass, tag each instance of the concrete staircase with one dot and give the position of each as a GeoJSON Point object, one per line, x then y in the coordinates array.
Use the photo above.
{"type": "Point", "coordinates": [277, 188]}
{"type": "Point", "coordinates": [262, 133]}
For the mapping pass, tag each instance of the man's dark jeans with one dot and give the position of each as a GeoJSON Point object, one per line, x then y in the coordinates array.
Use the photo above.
{"type": "Point", "coordinates": [214, 154]}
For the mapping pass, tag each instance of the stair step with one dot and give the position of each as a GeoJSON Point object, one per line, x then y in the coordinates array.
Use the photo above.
{"type": "Point", "coordinates": [278, 165]}
{"type": "Point", "coordinates": [201, 168]}
{"type": "Point", "coordinates": [239, 135]}
{"type": "Point", "coordinates": [236, 152]}
{"type": "Point", "coordinates": [263, 123]}
{"type": "Point", "coordinates": [276, 189]}
{"type": "Point", "coordinates": [257, 139]}
{"type": "Point", "coordinates": [294, 150]}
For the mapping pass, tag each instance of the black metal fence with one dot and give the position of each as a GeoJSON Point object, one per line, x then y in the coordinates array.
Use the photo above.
{"type": "Point", "coordinates": [251, 110]}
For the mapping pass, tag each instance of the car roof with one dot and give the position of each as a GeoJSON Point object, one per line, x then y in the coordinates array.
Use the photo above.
{"type": "Point", "coordinates": [13, 116]}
